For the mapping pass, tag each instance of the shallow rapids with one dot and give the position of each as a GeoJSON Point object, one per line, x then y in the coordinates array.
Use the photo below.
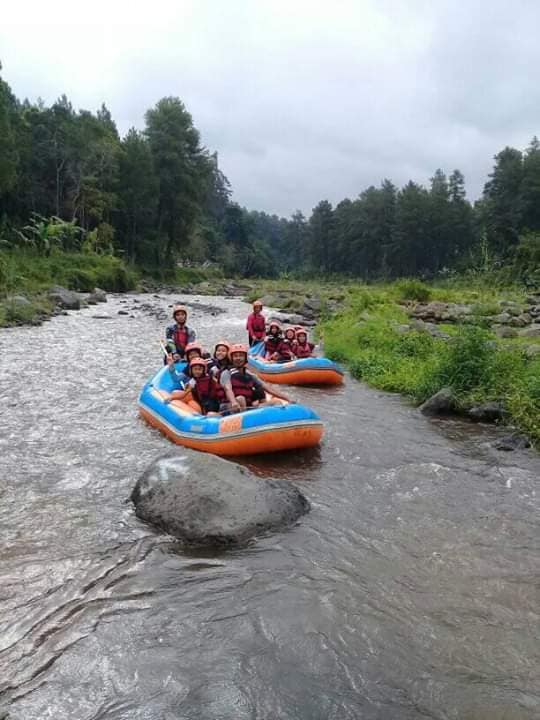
{"type": "Point", "coordinates": [409, 591]}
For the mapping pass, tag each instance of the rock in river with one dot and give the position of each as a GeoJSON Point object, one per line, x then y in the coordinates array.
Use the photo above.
{"type": "Point", "coordinates": [66, 299]}
{"type": "Point", "coordinates": [205, 500]}
{"type": "Point", "coordinates": [442, 403]}
{"type": "Point", "coordinates": [488, 412]}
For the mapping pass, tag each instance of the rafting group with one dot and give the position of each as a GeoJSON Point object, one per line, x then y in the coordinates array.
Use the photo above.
{"type": "Point", "coordinates": [202, 400]}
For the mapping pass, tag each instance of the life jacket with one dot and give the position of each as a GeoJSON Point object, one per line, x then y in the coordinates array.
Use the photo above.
{"type": "Point", "coordinates": [256, 325]}
{"type": "Point", "coordinates": [181, 338]}
{"type": "Point", "coordinates": [203, 392]}
{"type": "Point", "coordinates": [215, 366]}
{"type": "Point", "coordinates": [303, 351]}
{"type": "Point", "coordinates": [272, 343]}
{"type": "Point", "coordinates": [218, 389]}
{"type": "Point", "coordinates": [278, 345]}
{"type": "Point", "coordinates": [244, 385]}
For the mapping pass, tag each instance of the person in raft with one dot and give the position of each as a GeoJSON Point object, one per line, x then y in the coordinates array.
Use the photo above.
{"type": "Point", "coordinates": [302, 348]}
{"type": "Point", "coordinates": [179, 332]}
{"type": "Point", "coordinates": [289, 339]}
{"type": "Point", "coordinates": [220, 359]}
{"type": "Point", "coordinates": [275, 349]}
{"type": "Point", "coordinates": [193, 350]}
{"type": "Point", "coordinates": [256, 324]}
{"type": "Point", "coordinates": [201, 386]}
{"type": "Point", "coordinates": [242, 389]}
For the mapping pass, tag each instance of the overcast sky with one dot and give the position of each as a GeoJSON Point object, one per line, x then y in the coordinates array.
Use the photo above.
{"type": "Point", "coordinates": [303, 99]}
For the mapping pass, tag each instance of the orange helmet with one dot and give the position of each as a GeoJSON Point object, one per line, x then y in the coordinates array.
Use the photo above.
{"type": "Point", "coordinates": [238, 348]}
{"type": "Point", "coordinates": [193, 346]}
{"type": "Point", "coordinates": [257, 303]}
{"type": "Point", "coordinates": [179, 308]}
{"type": "Point", "coordinates": [223, 343]}
{"type": "Point", "coordinates": [198, 361]}
{"type": "Point", "coordinates": [275, 323]}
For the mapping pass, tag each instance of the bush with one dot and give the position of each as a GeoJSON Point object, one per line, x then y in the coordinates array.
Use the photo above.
{"type": "Point", "coordinates": [412, 290]}
{"type": "Point", "coordinates": [466, 361]}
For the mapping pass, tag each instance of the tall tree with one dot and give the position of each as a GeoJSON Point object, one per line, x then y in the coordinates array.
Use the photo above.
{"type": "Point", "coordinates": [461, 218]}
{"type": "Point", "coordinates": [181, 166]}
{"type": "Point", "coordinates": [322, 234]}
{"type": "Point", "coordinates": [412, 246]}
{"type": "Point", "coordinates": [137, 196]}
{"type": "Point", "coordinates": [530, 190]}
{"type": "Point", "coordinates": [503, 204]}
{"type": "Point", "coordinates": [9, 156]}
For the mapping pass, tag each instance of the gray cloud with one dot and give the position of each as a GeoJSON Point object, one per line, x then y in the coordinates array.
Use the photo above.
{"type": "Point", "coordinates": [302, 100]}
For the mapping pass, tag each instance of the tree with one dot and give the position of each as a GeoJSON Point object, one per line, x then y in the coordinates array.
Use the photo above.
{"type": "Point", "coordinates": [137, 193]}
{"type": "Point", "coordinates": [412, 245]}
{"type": "Point", "coordinates": [530, 188]}
{"type": "Point", "coordinates": [181, 167]}
{"type": "Point", "coordinates": [322, 235]}
{"type": "Point", "coordinates": [461, 219]}
{"type": "Point", "coordinates": [503, 204]}
{"type": "Point", "coordinates": [9, 157]}
{"type": "Point", "coordinates": [295, 244]}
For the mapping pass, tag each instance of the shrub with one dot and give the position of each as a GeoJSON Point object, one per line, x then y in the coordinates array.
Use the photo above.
{"type": "Point", "coordinates": [412, 289]}
{"type": "Point", "coordinates": [466, 360]}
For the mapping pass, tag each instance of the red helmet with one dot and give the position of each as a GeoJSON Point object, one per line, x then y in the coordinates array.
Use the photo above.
{"type": "Point", "coordinates": [198, 361]}
{"type": "Point", "coordinates": [301, 331]}
{"type": "Point", "coordinates": [291, 329]}
{"type": "Point", "coordinates": [257, 303]}
{"type": "Point", "coordinates": [222, 343]}
{"type": "Point", "coordinates": [193, 346]}
{"type": "Point", "coordinates": [238, 348]}
{"type": "Point", "coordinates": [275, 323]}
{"type": "Point", "coordinates": [179, 308]}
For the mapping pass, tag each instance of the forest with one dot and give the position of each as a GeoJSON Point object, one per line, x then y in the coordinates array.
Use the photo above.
{"type": "Point", "coordinates": [157, 196]}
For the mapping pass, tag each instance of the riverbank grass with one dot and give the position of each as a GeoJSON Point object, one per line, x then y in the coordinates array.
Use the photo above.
{"type": "Point", "coordinates": [30, 275]}
{"type": "Point", "coordinates": [370, 335]}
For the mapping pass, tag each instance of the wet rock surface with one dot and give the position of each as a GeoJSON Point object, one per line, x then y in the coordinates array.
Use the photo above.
{"type": "Point", "coordinates": [442, 403]}
{"type": "Point", "coordinates": [488, 412]}
{"type": "Point", "coordinates": [514, 441]}
{"type": "Point", "coordinates": [64, 298]}
{"type": "Point", "coordinates": [204, 500]}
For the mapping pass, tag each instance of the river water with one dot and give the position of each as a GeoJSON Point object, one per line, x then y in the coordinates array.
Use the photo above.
{"type": "Point", "coordinates": [409, 591]}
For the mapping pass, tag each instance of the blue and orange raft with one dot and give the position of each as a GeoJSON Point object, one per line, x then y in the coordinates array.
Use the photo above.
{"type": "Point", "coordinates": [305, 371]}
{"type": "Point", "coordinates": [267, 429]}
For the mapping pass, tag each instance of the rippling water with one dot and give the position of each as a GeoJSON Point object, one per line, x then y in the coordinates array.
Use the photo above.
{"type": "Point", "coordinates": [409, 591]}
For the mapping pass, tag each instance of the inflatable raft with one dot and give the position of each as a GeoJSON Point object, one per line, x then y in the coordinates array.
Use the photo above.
{"type": "Point", "coordinates": [306, 371]}
{"type": "Point", "coordinates": [261, 430]}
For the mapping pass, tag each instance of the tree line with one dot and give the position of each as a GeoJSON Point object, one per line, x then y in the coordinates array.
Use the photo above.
{"type": "Point", "coordinates": [415, 231]}
{"type": "Point", "coordinates": [157, 196]}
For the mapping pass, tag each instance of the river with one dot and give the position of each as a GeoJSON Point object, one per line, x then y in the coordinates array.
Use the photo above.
{"type": "Point", "coordinates": [409, 591]}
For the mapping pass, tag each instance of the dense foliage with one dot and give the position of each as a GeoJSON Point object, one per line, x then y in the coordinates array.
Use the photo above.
{"type": "Point", "coordinates": [158, 196]}
{"type": "Point", "coordinates": [474, 363]}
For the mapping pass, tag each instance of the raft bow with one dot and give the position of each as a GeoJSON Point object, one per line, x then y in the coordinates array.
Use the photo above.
{"type": "Point", "coordinates": [260, 430]}
{"type": "Point", "coordinates": [304, 371]}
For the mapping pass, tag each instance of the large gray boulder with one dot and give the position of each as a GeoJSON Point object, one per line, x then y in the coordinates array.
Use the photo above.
{"type": "Point", "coordinates": [488, 412]}
{"type": "Point", "coordinates": [65, 298]}
{"type": "Point", "coordinates": [515, 441]}
{"type": "Point", "coordinates": [503, 331]}
{"type": "Point", "coordinates": [532, 331]}
{"type": "Point", "coordinates": [97, 296]}
{"type": "Point", "coordinates": [205, 500]}
{"type": "Point", "coordinates": [442, 403]}
{"type": "Point", "coordinates": [19, 300]}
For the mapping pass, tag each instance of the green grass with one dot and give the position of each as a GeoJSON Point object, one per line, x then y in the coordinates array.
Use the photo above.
{"type": "Point", "coordinates": [29, 274]}
{"type": "Point", "coordinates": [474, 363]}
{"type": "Point", "coordinates": [183, 275]}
